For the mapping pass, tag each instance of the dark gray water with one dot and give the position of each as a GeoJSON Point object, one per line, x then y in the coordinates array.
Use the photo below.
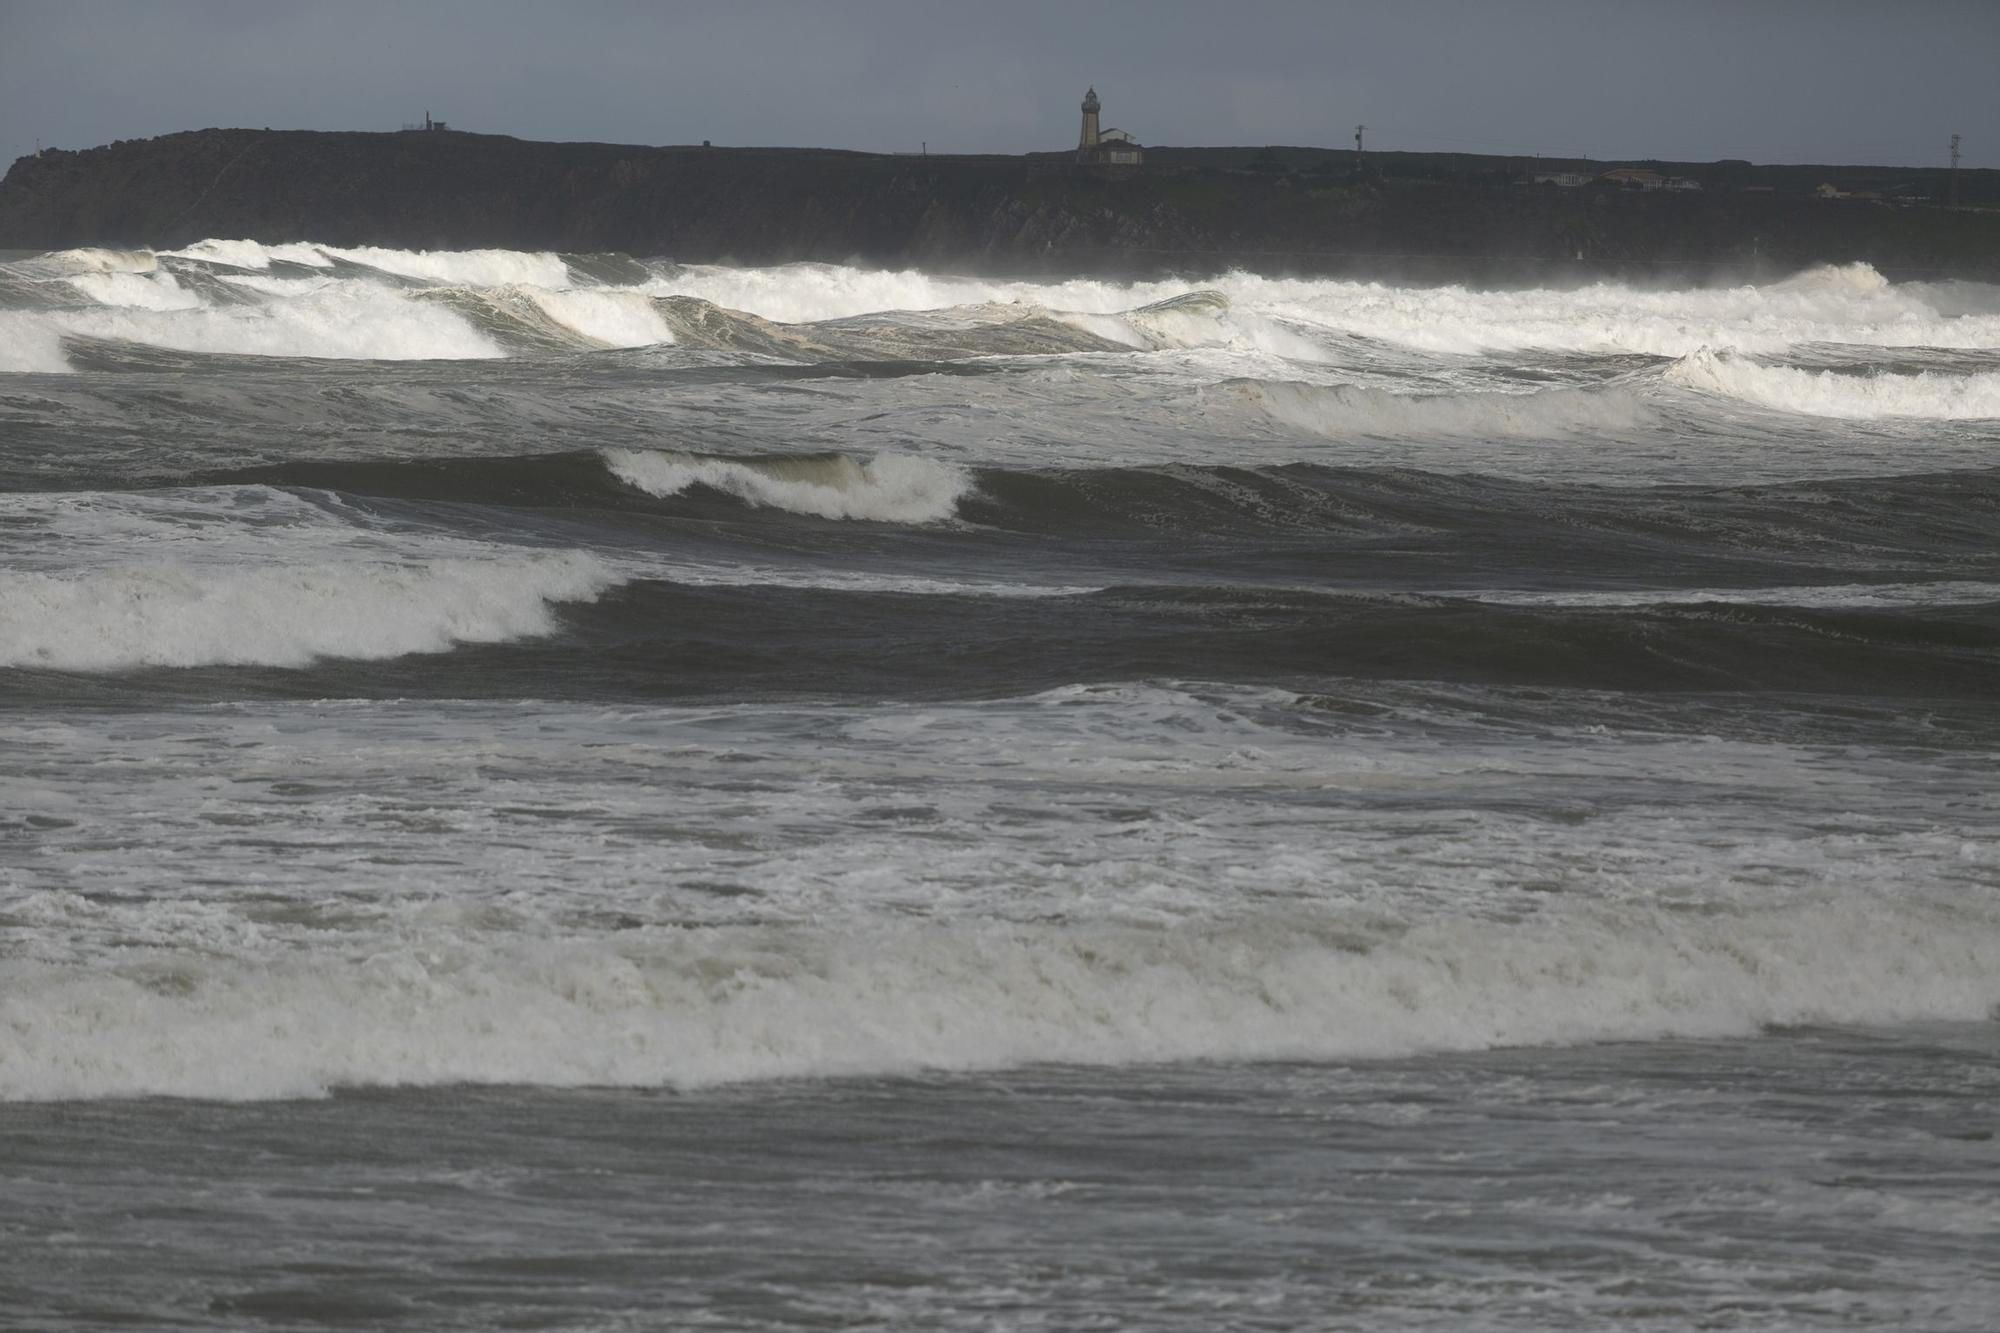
{"type": "Point", "coordinates": [582, 794]}
{"type": "Point", "coordinates": [1813, 1178]}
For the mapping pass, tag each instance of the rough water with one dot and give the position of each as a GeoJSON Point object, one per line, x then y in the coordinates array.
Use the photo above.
{"type": "Point", "coordinates": [566, 792]}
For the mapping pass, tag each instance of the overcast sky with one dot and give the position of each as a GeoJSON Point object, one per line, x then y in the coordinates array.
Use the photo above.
{"type": "Point", "coordinates": [1838, 81]}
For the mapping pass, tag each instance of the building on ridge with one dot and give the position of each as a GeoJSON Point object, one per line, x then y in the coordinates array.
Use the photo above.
{"type": "Point", "coordinates": [1105, 147]}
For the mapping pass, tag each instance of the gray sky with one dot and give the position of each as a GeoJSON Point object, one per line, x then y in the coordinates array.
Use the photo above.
{"type": "Point", "coordinates": [1839, 81]}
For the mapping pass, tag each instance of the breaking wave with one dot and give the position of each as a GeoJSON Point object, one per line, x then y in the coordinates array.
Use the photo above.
{"type": "Point", "coordinates": [699, 1006]}
{"type": "Point", "coordinates": [889, 488]}
{"type": "Point", "coordinates": [184, 615]}
{"type": "Point", "coordinates": [1935, 395]}
{"type": "Point", "coordinates": [309, 300]}
{"type": "Point", "coordinates": [344, 321]}
{"type": "Point", "coordinates": [254, 575]}
{"type": "Point", "coordinates": [1851, 304]}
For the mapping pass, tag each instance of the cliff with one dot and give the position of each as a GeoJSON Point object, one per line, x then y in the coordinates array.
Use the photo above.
{"type": "Point", "coordinates": [1182, 212]}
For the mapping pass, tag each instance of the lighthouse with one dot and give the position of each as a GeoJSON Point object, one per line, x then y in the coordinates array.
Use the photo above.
{"type": "Point", "coordinates": [1105, 147]}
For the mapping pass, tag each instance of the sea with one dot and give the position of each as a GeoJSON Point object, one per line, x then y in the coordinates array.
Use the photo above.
{"type": "Point", "coordinates": [577, 792]}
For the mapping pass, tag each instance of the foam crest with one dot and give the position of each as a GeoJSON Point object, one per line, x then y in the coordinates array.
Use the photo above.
{"type": "Point", "coordinates": [604, 317]}
{"type": "Point", "coordinates": [30, 345]}
{"type": "Point", "coordinates": [1847, 305]}
{"type": "Point", "coordinates": [253, 254]}
{"type": "Point", "coordinates": [467, 268]}
{"type": "Point", "coordinates": [252, 575]}
{"type": "Point", "coordinates": [1850, 304]}
{"type": "Point", "coordinates": [1351, 410]}
{"type": "Point", "coordinates": [689, 1007]}
{"type": "Point", "coordinates": [814, 293]}
{"type": "Point", "coordinates": [889, 488]}
{"type": "Point", "coordinates": [338, 320]}
{"type": "Point", "coordinates": [89, 259]}
{"type": "Point", "coordinates": [1198, 320]}
{"type": "Point", "coordinates": [181, 615]}
{"type": "Point", "coordinates": [1855, 277]}
{"type": "Point", "coordinates": [154, 290]}
{"type": "Point", "coordinates": [1935, 395]}
{"type": "Point", "coordinates": [359, 308]}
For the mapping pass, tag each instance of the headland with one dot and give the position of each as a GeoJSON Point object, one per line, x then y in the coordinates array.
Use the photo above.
{"type": "Point", "coordinates": [1420, 217]}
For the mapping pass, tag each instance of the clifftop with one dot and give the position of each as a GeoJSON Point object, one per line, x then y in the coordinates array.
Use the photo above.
{"type": "Point", "coordinates": [1188, 210]}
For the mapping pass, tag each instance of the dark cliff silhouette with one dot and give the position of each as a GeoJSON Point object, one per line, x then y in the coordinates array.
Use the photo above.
{"type": "Point", "coordinates": [1187, 210]}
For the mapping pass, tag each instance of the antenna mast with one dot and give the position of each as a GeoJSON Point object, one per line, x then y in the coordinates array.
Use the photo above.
{"type": "Point", "coordinates": [1954, 171]}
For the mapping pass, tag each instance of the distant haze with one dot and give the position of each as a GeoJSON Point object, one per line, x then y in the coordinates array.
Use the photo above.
{"type": "Point", "coordinates": [1834, 81]}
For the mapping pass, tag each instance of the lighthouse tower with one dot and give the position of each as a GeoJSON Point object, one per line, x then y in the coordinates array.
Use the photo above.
{"type": "Point", "coordinates": [1089, 139]}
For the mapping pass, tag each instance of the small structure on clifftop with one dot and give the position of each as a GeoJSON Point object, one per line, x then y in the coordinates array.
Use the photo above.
{"type": "Point", "coordinates": [1105, 147]}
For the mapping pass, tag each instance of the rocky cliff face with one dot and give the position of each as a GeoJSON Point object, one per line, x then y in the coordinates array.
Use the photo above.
{"type": "Point", "coordinates": [1000, 214]}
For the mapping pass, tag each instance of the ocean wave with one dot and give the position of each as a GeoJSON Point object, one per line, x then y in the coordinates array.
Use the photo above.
{"type": "Point", "coordinates": [96, 259]}
{"type": "Point", "coordinates": [336, 321]}
{"type": "Point", "coordinates": [1885, 524]}
{"type": "Point", "coordinates": [30, 344]}
{"type": "Point", "coordinates": [1198, 320]}
{"type": "Point", "coordinates": [1929, 394]}
{"type": "Point", "coordinates": [1850, 304]}
{"type": "Point", "coordinates": [182, 615]}
{"type": "Point", "coordinates": [929, 336]}
{"type": "Point", "coordinates": [153, 290]}
{"type": "Point", "coordinates": [888, 488]}
{"type": "Point", "coordinates": [817, 293]}
{"type": "Point", "coordinates": [472, 268]}
{"type": "Point", "coordinates": [1354, 410]}
{"type": "Point", "coordinates": [824, 311]}
{"type": "Point", "coordinates": [539, 319]}
{"type": "Point", "coordinates": [700, 1006]}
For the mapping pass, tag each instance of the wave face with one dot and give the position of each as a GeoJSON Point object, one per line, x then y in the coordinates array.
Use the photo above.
{"type": "Point", "coordinates": [1826, 393]}
{"type": "Point", "coordinates": [563, 670]}
{"type": "Point", "coordinates": [256, 577]}
{"type": "Point", "coordinates": [1342, 410]}
{"type": "Point", "coordinates": [176, 616]}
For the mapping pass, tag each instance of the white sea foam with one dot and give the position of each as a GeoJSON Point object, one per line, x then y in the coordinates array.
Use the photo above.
{"type": "Point", "coordinates": [1851, 304]}
{"type": "Point", "coordinates": [154, 290]}
{"type": "Point", "coordinates": [1295, 319]}
{"type": "Point", "coordinates": [30, 345]}
{"type": "Point", "coordinates": [253, 575]}
{"type": "Point", "coordinates": [687, 1007]}
{"type": "Point", "coordinates": [889, 488]}
{"type": "Point", "coordinates": [339, 320]}
{"type": "Point", "coordinates": [96, 260]}
{"type": "Point", "coordinates": [465, 268]}
{"type": "Point", "coordinates": [253, 254]}
{"type": "Point", "coordinates": [1833, 305]}
{"type": "Point", "coordinates": [810, 293]}
{"type": "Point", "coordinates": [609, 318]}
{"type": "Point", "coordinates": [1931, 394]}
{"type": "Point", "coordinates": [179, 615]}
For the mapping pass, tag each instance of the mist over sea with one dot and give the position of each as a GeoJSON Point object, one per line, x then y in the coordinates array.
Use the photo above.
{"type": "Point", "coordinates": [569, 792]}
